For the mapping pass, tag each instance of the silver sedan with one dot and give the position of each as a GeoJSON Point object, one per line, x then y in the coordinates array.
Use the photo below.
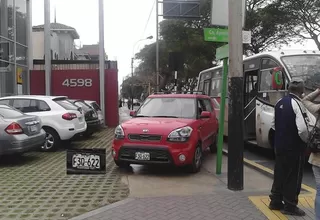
{"type": "Point", "coordinates": [19, 133]}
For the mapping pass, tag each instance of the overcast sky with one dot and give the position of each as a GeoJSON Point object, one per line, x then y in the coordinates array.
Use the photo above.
{"type": "Point", "coordinates": [126, 22]}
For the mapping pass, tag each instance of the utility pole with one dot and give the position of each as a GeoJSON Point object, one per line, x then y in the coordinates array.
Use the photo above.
{"type": "Point", "coordinates": [235, 111]}
{"type": "Point", "coordinates": [101, 59]}
{"type": "Point", "coordinates": [131, 83]}
{"type": "Point", "coordinates": [157, 44]}
{"type": "Point", "coordinates": [47, 46]}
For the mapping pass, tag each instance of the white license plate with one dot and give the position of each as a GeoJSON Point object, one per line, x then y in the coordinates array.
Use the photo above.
{"type": "Point", "coordinates": [142, 156]}
{"type": "Point", "coordinates": [33, 128]}
{"type": "Point", "coordinates": [86, 161]}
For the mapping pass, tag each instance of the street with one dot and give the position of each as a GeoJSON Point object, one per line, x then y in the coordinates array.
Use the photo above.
{"type": "Point", "coordinates": [265, 158]}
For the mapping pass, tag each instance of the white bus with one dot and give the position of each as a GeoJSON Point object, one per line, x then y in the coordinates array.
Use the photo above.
{"type": "Point", "coordinates": [259, 96]}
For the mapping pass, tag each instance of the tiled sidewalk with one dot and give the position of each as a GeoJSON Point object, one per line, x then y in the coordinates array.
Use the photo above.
{"type": "Point", "coordinates": [219, 206]}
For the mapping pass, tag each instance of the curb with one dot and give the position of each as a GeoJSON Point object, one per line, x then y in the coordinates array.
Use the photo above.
{"type": "Point", "coordinates": [88, 215]}
{"type": "Point", "coordinates": [268, 172]}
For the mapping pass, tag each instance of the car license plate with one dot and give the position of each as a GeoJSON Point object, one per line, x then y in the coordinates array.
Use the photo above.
{"type": "Point", "coordinates": [86, 161]}
{"type": "Point", "coordinates": [33, 128]}
{"type": "Point", "coordinates": [81, 119]}
{"type": "Point", "coordinates": [142, 156]}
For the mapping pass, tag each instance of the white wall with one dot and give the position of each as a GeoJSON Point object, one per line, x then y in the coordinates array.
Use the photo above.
{"type": "Point", "coordinates": [66, 46]}
{"type": "Point", "coordinates": [38, 45]}
{"type": "Point", "coordinates": [61, 43]}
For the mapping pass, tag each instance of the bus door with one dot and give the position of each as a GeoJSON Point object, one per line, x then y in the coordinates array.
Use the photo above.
{"type": "Point", "coordinates": [266, 100]}
{"type": "Point", "coordinates": [250, 95]}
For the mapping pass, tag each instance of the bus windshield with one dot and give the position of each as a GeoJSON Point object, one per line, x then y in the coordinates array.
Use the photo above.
{"type": "Point", "coordinates": [304, 66]}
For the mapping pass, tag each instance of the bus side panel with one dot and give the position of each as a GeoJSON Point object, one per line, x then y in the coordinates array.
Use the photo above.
{"type": "Point", "coordinates": [264, 116]}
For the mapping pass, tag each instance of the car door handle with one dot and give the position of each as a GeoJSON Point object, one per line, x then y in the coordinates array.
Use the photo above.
{"type": "Point", "coordinates": [258, 104]}
{"type": "Point", "coordinates": [199, 127]}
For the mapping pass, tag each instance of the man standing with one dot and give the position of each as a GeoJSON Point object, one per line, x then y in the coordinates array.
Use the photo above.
{"type": "Point", "coordinates": [291, 134]}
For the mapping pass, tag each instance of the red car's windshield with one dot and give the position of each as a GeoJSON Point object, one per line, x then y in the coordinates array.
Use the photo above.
{"type": "Point", "coordinates": [168, 107]}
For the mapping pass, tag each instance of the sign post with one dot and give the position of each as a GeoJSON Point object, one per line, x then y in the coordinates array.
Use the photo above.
{"type": "Point", "coordinates": [222, 53]}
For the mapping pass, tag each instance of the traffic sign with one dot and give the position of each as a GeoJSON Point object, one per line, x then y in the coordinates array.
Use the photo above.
{"type": "Point", "coordinates": [216, 35]}
{"type": "Point", "coordinates": [222, 35]}
{"type": "Point", "coordinates": [222, 52]}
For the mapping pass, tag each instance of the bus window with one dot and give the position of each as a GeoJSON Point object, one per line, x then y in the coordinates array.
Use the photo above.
{"type": "Point", "coordinates": [268, 64]}
{"type": "Point", "coordinates": [206, 87]}
{"type": "Point", "coordinates": [266, 92]}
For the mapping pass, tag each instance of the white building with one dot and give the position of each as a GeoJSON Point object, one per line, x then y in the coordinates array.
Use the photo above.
{"type": "Point", "coordinates": [62, 41]}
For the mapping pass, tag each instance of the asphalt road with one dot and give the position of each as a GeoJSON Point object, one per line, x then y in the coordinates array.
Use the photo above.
{"type": "Point", "coordinates": [265, 158]}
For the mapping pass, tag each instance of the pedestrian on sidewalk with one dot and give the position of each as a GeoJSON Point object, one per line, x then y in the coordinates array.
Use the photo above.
{"type": "Point", "coordinates": [290, 126]}
{"type": "Point", "coordinates": [314, 158]}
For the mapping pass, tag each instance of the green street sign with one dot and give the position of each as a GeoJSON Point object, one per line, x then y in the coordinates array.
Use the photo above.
{"type": "Point", "coordinates": [222, 52]}
{"type": "Point", "coordinates": [216, 35]}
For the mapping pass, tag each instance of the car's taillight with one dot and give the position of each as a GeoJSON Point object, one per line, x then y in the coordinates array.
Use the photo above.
{"type": "Point", "coordinates": [69, 116]}
{"type": "Point", "coordinates": [14, 128]}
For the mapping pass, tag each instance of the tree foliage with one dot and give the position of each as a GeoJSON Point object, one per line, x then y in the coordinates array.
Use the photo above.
{"type": "Point", "coordinates": [306, 16]}
{"type": "Point", "coordinates": [271, 26]}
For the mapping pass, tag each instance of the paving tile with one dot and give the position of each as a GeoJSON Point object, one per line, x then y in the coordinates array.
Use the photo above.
{"type": "Point", "coordinates": [306, 202]}
{"type": "Point", "coordinates": [204, 207]}
{"type": "Point", "coordinates": [36, 186]}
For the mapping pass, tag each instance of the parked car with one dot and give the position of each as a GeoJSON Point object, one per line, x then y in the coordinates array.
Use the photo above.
{"type": "Point", "coordinates": [91, 117]}
{"type": "Point", "coordinates": [61, 120]}
{"type": "Point", "coordinates": [167, 129]}
{"type": "Point", "coordinates": [97, 108]}
{"type": "Point", "coordinates": [19, 133]}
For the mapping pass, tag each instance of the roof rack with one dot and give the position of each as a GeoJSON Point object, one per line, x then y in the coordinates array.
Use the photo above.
{"type": "Point", "coordinates": [194, 92]}
{"type": "Point", "coordinates": [182, 92]}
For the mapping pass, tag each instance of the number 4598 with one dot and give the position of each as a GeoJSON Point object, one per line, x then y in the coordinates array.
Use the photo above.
{"type": "Point", "coordinates": [77, 82]}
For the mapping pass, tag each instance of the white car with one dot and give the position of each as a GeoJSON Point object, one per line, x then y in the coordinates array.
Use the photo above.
{"type": "Point", "coordinates": [61, 119]}
{"type": "Point", "coordinates": [97, 108]}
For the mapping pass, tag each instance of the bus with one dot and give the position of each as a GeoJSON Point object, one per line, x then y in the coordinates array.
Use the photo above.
{"type": "Point", "coordinates": [259, 95]}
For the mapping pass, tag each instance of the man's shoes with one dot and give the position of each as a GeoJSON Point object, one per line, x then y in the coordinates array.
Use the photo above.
{"type": "Point", "coordinates": [276, 205]}
{"type": "Point", "coordinates": [293, 211]}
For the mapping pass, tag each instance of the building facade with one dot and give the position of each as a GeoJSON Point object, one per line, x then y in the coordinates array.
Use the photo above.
{"type": "Point", "coordinates": [62, 42]}
{"type": "Point", "coordinates": [15, 36]}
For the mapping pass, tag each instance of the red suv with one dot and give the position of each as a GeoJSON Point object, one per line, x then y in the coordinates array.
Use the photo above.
{"type": "Point", "coordinates": [167, 129]}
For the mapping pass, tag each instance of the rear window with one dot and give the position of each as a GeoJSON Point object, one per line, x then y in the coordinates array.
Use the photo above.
{"type": "Point", "coordinates": [96, 106]}
{"type": "Point", "coordinates": [83, 105]}
{"type": "Point", "coordinates": [66, 104]}
{"type": "Point", "coordinates": [10, 113]}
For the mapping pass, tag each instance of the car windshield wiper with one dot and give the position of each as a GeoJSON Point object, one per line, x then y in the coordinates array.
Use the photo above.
{"type": "Point", "coordinates": [164, 116]}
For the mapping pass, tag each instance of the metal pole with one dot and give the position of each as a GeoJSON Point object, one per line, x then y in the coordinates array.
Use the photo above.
{"type": "Point", "coordinates": [15, 84]}
{"type": "Point", "coordinates": [131, 83]}
{"type": "Point", "coordinates": [29, 43]}
{"type": "Point", "coordinates": [235, 111]}
{"type": "Point", "coordinates": [102, 59]}
{"type": "Point", "coordinates": [47, 46]}
{"type": "Point", "coordinates": [175, 81]}
{"type": "Point", "coordinates": [157, 44]}
{"type": "Point", "coordinates": [221, 115]}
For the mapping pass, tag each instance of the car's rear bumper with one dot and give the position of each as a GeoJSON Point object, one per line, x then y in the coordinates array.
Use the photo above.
{"type": "Point", "coordinates": [93, 126]}
{"type": "Point", "coordinates": [71, 133]}
{"type": "Point", "coordinates": [22, 144]}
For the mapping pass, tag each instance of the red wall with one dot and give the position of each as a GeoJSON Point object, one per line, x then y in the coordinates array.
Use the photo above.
{"type": "Point", "coordinates": [79, 91]}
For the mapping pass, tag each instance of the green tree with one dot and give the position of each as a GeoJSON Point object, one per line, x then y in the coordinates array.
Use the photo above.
{"type": "Point", "coordinates": [269, 25]}
{"type": "Point", "coordinates": [306, 15]}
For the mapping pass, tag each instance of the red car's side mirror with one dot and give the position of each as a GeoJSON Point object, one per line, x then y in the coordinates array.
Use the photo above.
{"type": "Point", "coordinates": [205, 114]}
{"type": "Point", "coordinates": [132, 113]}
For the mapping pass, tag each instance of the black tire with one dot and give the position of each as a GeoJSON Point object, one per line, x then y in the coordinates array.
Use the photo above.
{"type": "Point", "coordinates": [214, 146]}
{"type": "Point", "coordinates": [53, 140]}
{"type": "Point", "coordinates": [197, 160]}
{"type": "Point", "coordinates": [122, 164]}
{"type": "Point", "coordinates": [88, 135]}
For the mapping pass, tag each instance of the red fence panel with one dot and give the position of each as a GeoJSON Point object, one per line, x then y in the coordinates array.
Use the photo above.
{"type": "Point", "coordinates": [76, 84]}
{"type": "Point", "coordinates": [81, 84]}
{"type": "Point", "coordinates": [37, 82]}
{"type": "Point", "coordinates": [112, 98]}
